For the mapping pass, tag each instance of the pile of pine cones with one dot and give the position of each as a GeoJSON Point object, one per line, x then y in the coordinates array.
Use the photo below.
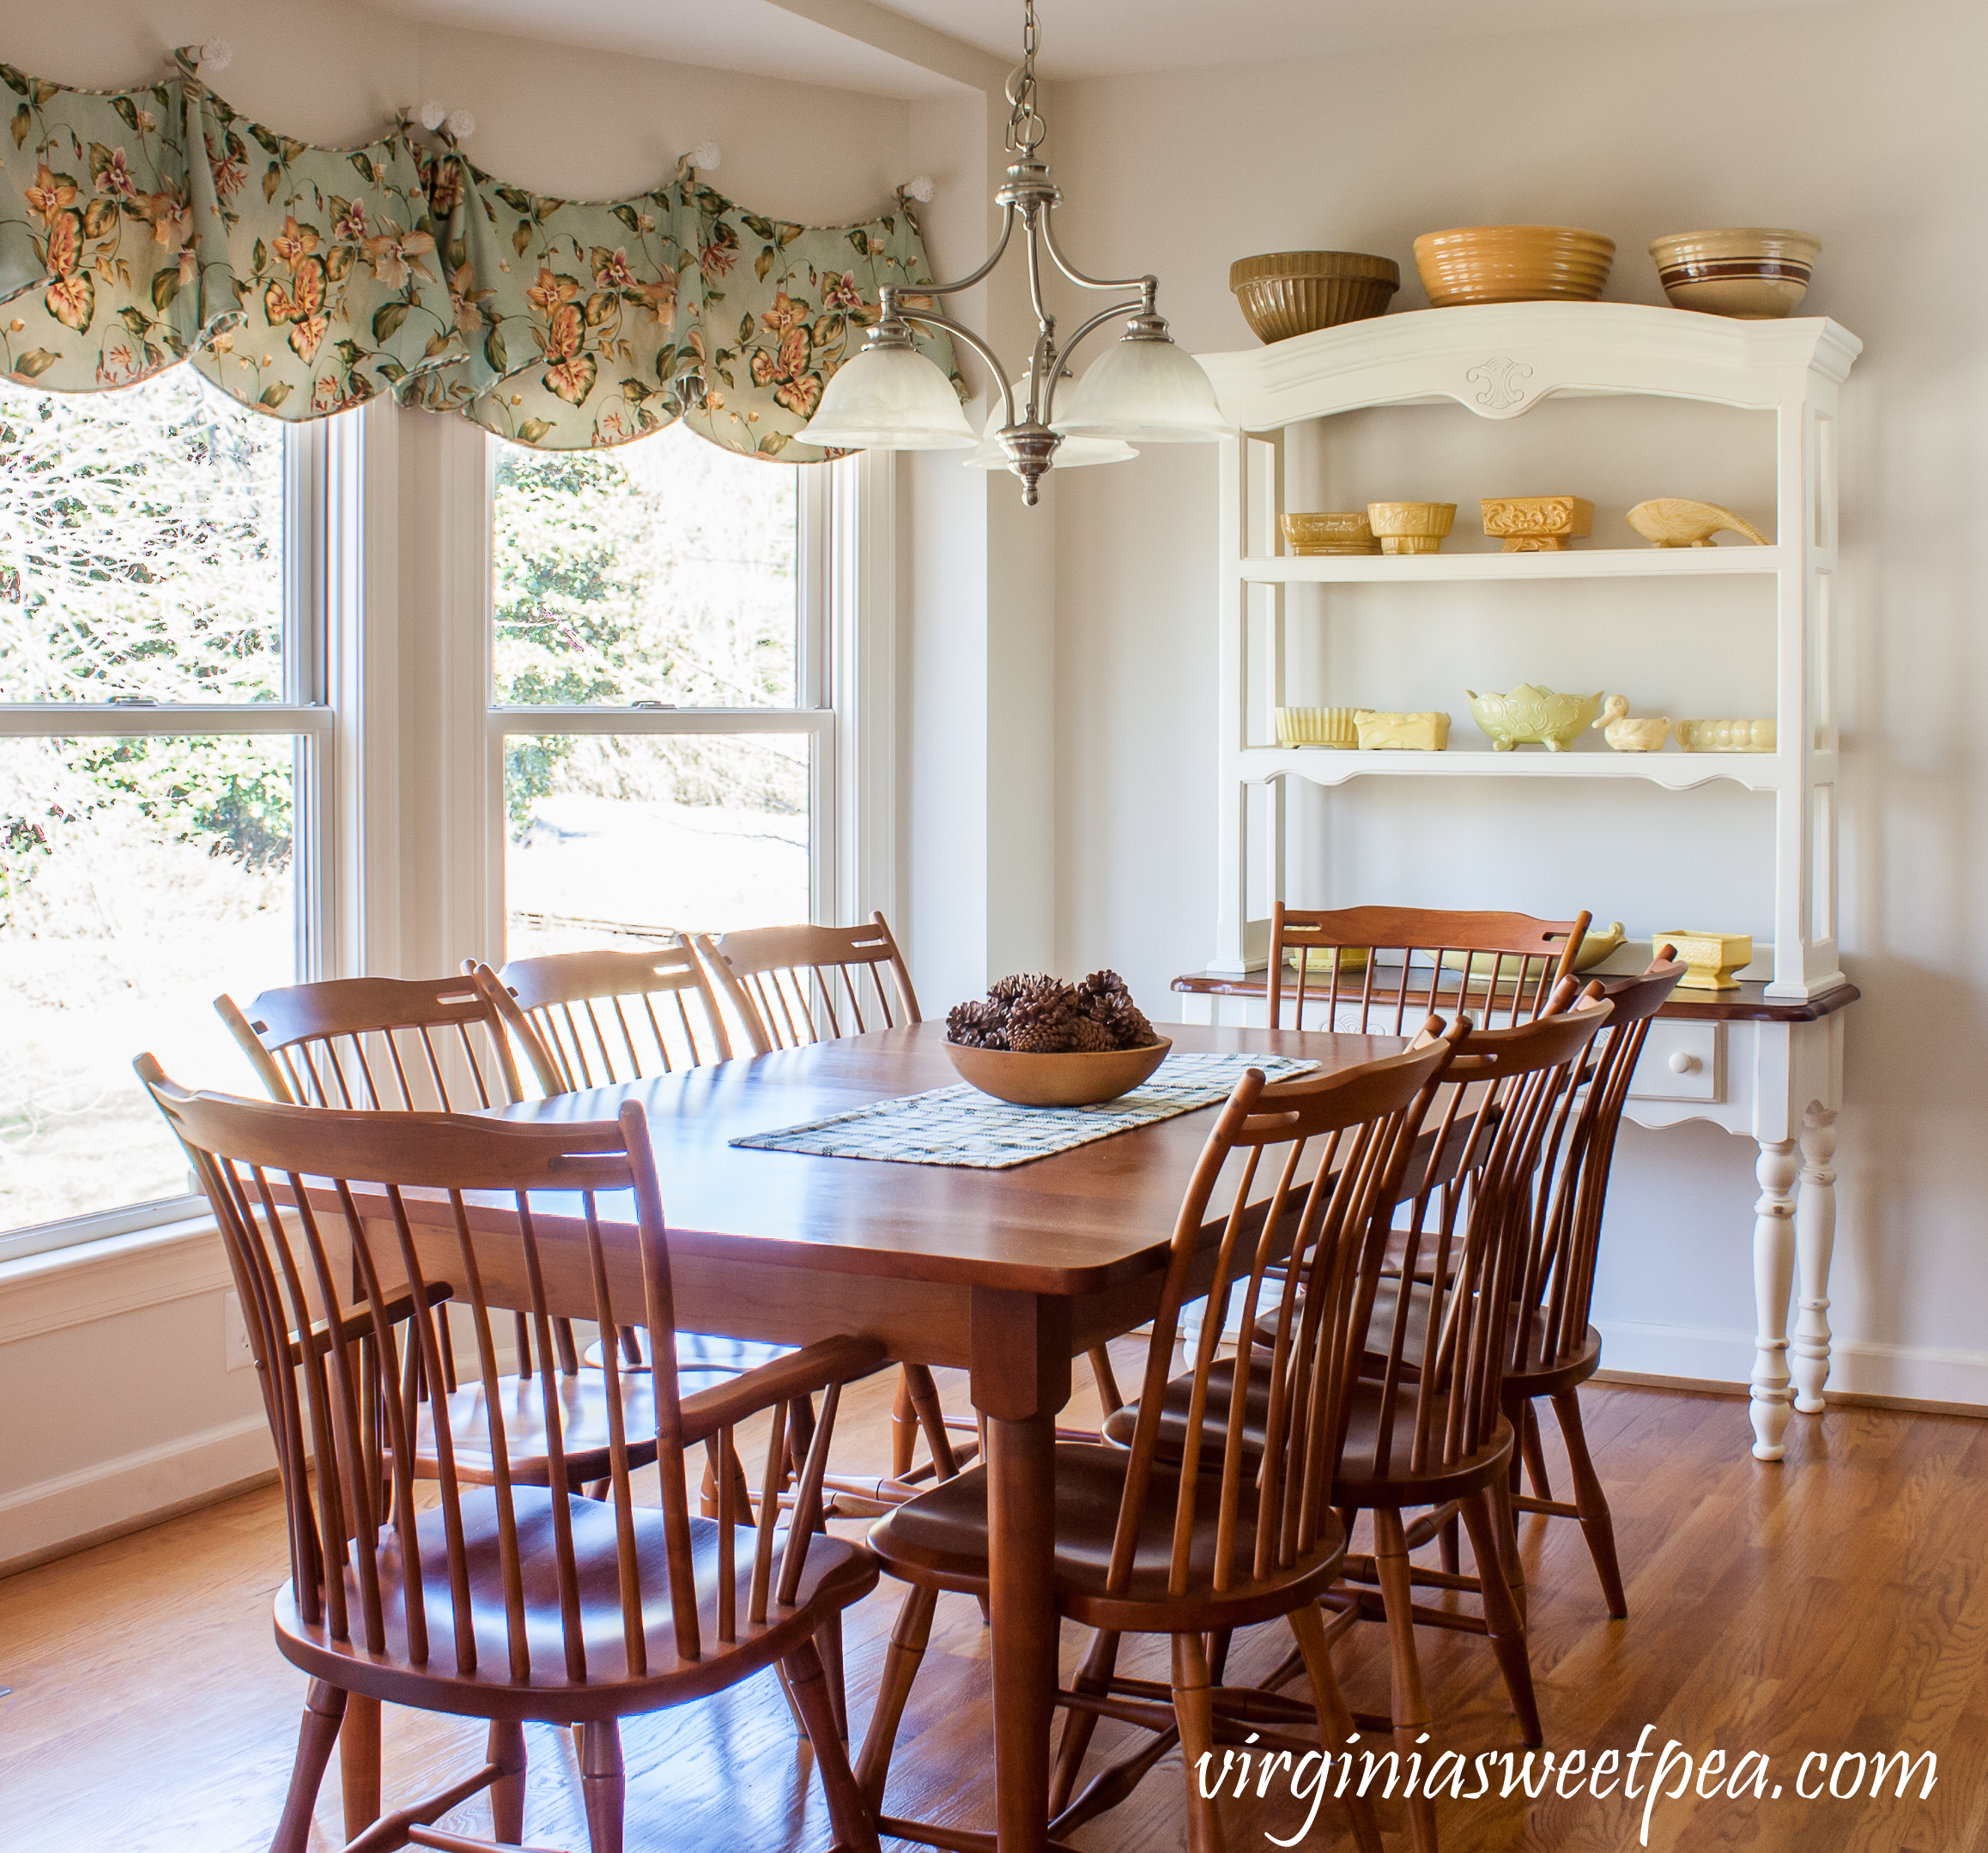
{"type": "Point", "coordinates": [1032, 1013]}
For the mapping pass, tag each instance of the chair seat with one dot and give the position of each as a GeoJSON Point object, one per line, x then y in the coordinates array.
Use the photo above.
{"type": "Point", "coordinates": [837, 1572]}
{"type": "Point", "coordinates": [583, 1422]}
{"type": "Point", "coordinates": [1536, 1375]}
{"type": "Point", "coordinates": [940, 1538]}
{"type": "Point", "coordinates": [1397, 1482]}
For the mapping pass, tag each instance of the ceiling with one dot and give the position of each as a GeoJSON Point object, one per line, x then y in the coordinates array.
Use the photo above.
{"type": "Point", "coordinates": [1103, 38]}
{"type": "Point", "coordinates": [1080, 38]}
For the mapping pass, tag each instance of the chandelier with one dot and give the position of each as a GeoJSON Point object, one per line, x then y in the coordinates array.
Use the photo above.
{"type": "Point", "coordinates": [1143, 389]}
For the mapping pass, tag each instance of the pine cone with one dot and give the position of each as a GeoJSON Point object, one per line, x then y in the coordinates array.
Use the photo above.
{"type": "Point", "coordinates": [1092, 1037]}
{"type": "Point", "coordinates": [967, 1024]}
{"type": "Point", "coordinates": [1099, 986]}
{"type": "Point", "coordinates": [1127, 1025]}
{"type": "Point", "coordinates": [1042, 1021]}
{"type": "Point", "coordinates": [1005, 991]}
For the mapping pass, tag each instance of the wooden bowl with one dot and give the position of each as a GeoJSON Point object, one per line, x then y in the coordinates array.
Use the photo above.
{"type": "Point", "coordinates": [1073, 1079]}
{"type": "Point", "coordinates": [1287, 293]}
{"type": "Point", "coordinates": [1754, 273]}
{"type": "Point", "coordinates": [1513, 263]}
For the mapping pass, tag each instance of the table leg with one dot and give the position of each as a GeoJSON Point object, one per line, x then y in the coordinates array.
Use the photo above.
{"type": "Point", "coordinates": [1774, 1275]}
{"type": "Point", "coordinates": [1814, 1239]}
{"type": "Point", "coordinates": [1021, 1378]}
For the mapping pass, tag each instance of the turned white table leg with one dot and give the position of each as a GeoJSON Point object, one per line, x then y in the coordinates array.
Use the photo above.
{"type": "Point", "coordinates": [1814, 1237]}
{"type": "Point", "coordinates": [1774, 1275]}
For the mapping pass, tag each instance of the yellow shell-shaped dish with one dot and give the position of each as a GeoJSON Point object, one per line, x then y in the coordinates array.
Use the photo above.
{"type": "Point", "coordinates": [1533, 716]}
{"type": "Point", "coordinates": [1671, 521]}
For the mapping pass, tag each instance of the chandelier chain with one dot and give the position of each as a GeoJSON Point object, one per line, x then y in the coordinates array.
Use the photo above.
{"type": "Point", "coordinates": [1026, 129]}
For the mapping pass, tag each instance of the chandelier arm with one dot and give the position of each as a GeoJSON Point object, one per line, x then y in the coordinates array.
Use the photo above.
{"type": "Point", "coordinates": [961, 332]}
{"type": "Point", "coordinates": [1070, 347]}
{"type": "Point", "coordinates": [1148, 282]}
{"type": "Point", "coordinates": [968, 283]}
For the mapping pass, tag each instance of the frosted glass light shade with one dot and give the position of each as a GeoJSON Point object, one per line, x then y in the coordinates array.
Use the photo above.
{"type": "Point", "coordinates": [1145, 393]}
{"type": "Point", "coordinates": [889, 399]}
{"type": "Point", "coordinates": [1073, 453]}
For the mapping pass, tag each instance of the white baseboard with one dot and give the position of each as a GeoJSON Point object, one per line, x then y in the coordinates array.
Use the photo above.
{"type": "Point", "coordinates": [1910, 1373]}
{"type": "Point", "coordinates": [113, 1495]}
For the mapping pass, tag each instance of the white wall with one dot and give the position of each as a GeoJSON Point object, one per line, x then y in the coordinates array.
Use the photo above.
{"type": "Point", "coordinates": [111, 1362]}
{"type": "Point", "coordinates": [1859, 121]}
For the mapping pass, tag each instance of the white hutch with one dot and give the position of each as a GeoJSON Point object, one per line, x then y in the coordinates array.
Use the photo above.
{"type": "Point", "coordinates": [1765, 1062]}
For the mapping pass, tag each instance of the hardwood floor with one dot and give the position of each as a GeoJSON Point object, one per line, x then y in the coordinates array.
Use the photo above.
{"type": "Point", "coordinates": [1836, 1604]}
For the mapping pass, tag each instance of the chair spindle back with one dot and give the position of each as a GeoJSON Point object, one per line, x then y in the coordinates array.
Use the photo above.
{"type": "Point", "coordinates": [1385, 968]}
{"type": "Point", "coordinates": [1557, 1281]}
{"type": "Point", "coordinates": [308, 1197]}
{"type": "Point", "coordinates": [1440, 1356]}
{"type": "Point", "coordinates": [796, 985]}
{"type": "Point", "coordinates": [1337, 1146]}
{"type": "Point", "coordinates": [599, 1018]}
{"type": "Point", "coordinates": [378, 1043]}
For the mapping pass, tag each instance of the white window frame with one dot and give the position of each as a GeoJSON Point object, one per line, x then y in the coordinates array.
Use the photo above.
{"type": "Point", "coordinates": [302, 713]}
{"type": "Point", "coordinates": [847, 690]}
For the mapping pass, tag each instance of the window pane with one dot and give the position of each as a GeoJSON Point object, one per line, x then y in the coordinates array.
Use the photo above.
{"type": "Point", "coordinates": [138, 880]}
{"type": "Point", "coordinates": [641, 835]}
{"type": "Point", "coordinates": [662, 571]}
{"type": "Point", "coordinates": [140, 545]}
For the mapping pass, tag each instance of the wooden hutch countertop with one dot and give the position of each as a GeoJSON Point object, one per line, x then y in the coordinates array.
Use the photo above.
{"type": "Point", "coordinates": [1749, 1003]}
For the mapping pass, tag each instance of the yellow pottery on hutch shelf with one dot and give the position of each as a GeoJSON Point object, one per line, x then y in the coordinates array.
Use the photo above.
{"type": "Point", "coordinates": [1710, 959]}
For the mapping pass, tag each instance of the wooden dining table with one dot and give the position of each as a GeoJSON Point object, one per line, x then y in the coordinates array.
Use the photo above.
{"type": "Point", "coordinates": [1007, 1274]}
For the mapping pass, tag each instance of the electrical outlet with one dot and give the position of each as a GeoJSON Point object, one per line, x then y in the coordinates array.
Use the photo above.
{"type": "Point", "coordinates": [236, 1353]}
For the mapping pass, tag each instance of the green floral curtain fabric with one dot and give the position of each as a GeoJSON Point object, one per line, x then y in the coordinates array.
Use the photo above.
{"type": "Point", "coordinates": [140, 228]}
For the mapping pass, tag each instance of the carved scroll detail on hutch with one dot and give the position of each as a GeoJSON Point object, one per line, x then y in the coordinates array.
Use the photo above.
{"type": "Point", "coordinates": [1502, 380]}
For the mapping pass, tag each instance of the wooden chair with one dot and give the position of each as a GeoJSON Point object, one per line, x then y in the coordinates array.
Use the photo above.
{"type": "Point", "coordinates": [597, 1018]}
{"type": "Point", "coordinates": [1188, 1532]}
{"type": "Point", "coordinates": [796, 985]}
{"type": "Point", "coordinates": [1426, 1429]}
{"type": "Point", "coordinates": [503, 1600]}
{"type": "Point", "coordinates": [594, 1019]}
{"type": "Point", "coordinates": [790, 985]}
{"type": "Point", "coordinates": [1394, 966]}
{"type": "Point", "coordinates": [1553, 1349]}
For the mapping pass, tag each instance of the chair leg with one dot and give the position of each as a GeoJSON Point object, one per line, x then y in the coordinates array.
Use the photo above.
{"type": "Point", "coordinates": [1218, 1654]}
{"type": "Point", "coordinates": [1502, 1621]}
{"type": "Point", "coordinates": [900, 1668]}
{"type": "Point", "coordinates": [829, 1644]}
{"type": "Point", "coordinates": [904, 1431]}
{"type": "Point", "coordinates": [1534, 1450]}
{"type": "Point", "coordinates": [506, 1751]}
{"type": "Point", "coordinates": [324, 1711]}
{"type": "Point", "coordinates": [1597, 1526]}
{"type": "Point", "coordinates": [1447, 1542]}
{"type": "Point", "coordinates": [1109, 1400]}
{"type": "Point", "coordinates": [1507, 1542]}
{"type": "Point", "coordinates": [358, 1763]}
{"type": "Point", "coordinates": [851, 1816]}
{"type": "Point", "coordinates": [931, 1414]}
{"type": "Point", "coordinates": [603, 1784]}
{"type": "Point", "coordinates": [1411, 1706]}
{"type": "Point", "coordinates": [1094, 1676]}
{"type": "Point", "coordinates": [1335, 1727]}
{"type": "Point", "coordinates": [1194, 1708]}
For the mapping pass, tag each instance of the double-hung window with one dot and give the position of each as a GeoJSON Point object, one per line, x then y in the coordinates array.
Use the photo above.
{"type": "Point", "coordinates": [161, 758]}
{"type": "Point", "coordinates": [661, 689]}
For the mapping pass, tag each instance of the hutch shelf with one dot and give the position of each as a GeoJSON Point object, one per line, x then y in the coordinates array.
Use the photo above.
{"type": "Point", "coordinates": [1766, 1062]}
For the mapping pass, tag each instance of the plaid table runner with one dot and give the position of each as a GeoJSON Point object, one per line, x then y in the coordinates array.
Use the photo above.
{"type": "Point", "coordinates": [962, 1126]}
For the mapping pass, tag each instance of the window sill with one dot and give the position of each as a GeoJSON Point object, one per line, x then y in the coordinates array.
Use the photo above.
{"type": "Point", "coordinates": [117, 1273]}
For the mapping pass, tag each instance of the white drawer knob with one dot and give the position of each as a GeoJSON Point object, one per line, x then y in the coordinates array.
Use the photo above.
{"type": "Point", "coordinates": [1683, 1063]}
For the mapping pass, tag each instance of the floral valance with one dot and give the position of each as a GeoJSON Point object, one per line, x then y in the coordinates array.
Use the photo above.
{"type": "Point", "coordinates": [141, 228]}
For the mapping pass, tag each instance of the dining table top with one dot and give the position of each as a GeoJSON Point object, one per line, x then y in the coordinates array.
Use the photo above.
{"type": "Point", "coordinates": [1078, 1222]}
